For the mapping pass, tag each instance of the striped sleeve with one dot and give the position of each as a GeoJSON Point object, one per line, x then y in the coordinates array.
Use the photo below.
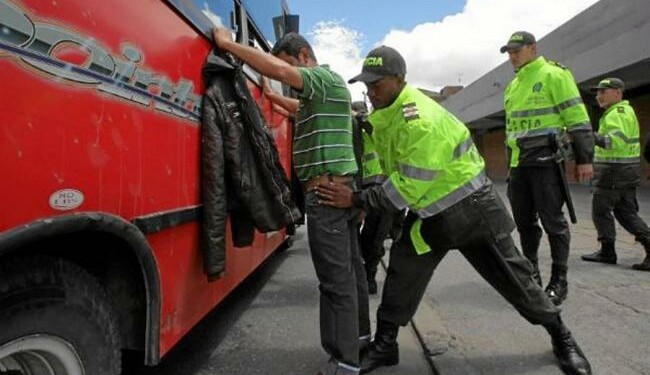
{"type": "Point", "coordinates": [314, 85]}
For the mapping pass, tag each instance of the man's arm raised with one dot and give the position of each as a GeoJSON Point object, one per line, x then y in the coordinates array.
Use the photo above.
{"type": "Point", "coordinates": [264, 63]}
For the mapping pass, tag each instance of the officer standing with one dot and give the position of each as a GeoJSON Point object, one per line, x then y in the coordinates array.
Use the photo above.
{"type": "Point", "coordinates": [542, 103]}
{"type": "Point", "coordinates": [617, 167]}
{"type": "Point", "coordinates": [435, 170]}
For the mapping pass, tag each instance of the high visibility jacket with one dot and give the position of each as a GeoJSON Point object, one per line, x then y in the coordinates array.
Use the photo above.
{"type": "Point", "coordinates": [619, 131]}
{"type": "Point", "coordinates": [427, 153]}
{"type": "Point", "coordinates": [618, 150]}
{"type": "Point", "coordinates": [372, 174]}
{"type": "Point", "coordinates": [543, 101]}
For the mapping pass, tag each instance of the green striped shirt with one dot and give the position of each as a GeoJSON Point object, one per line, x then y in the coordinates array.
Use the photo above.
{"type": "Point", "coordinates": [322, 138]}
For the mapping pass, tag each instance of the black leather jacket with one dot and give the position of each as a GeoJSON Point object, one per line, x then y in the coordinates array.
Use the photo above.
{"type": "Point", "coordinates": [241, 170]}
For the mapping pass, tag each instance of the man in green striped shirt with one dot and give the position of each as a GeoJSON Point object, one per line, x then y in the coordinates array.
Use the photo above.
{"type": "Point", "coordinates": [322, 152]}
{"type": "Point", "coordinates": [323, 131]}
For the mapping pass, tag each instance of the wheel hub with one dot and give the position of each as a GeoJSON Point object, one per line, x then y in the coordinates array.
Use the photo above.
{"type": "Point", "coordinates": [39, 354]}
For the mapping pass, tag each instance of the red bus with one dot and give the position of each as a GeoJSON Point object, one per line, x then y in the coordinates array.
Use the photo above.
{"type": "Point", "coordinates": [100, 160]}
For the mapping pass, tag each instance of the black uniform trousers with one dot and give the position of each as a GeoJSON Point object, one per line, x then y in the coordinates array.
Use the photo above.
{"type": "Point", "coordinates": [536, 193]}
{"type": "Point", "coordinates": [479, 227]}
{"type": "Point", "coordinates": [334, 247]}
{"type": "Point", "coordinates": [625, 208]}
{"type": "Point", "coordinates": [376, 227]}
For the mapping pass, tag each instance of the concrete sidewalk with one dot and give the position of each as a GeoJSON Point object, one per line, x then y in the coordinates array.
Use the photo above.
{"type": "Point", "coordinates": [608, 310]}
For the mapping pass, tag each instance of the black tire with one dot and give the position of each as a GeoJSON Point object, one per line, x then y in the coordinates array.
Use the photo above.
{"type": "Point", "coordinates": [55, 320]}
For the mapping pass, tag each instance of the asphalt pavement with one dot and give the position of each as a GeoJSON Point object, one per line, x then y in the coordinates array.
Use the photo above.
{"type": "Point", "coordinates": [270, 326]}
{"type": "Point", "coordinates": [463, 327]}
{"type": "Point", "coordinates": [608, 310]}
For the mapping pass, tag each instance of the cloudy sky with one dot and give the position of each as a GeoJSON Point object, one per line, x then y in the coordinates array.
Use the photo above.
{"type": "Point", "coordinates": [444, 42]}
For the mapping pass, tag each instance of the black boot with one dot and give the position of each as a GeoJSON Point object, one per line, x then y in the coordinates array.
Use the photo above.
{"type": "Point", "coordinates": [372, 287]}
{"type": "Point", "coordinates": [364, 346]}
{"type": "Point", "coordinates": [568, 353]}
{"type": "Point", "coordinates": [372, 284]}
{"type": "Point", "coordinates": [557, 288]}
{"type": "Point", "coordinates": [383, 349]}
{"type": "Point", "coordinates": [606, 254]}
{"type": "Point", "coordinates": [643, 266]}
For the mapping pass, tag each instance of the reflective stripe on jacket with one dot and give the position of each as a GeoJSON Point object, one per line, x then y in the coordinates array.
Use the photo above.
{"type": "Point", "coordinates": [617, 161]}
{"type": "Point", "coordinates": [427, 153]}
{"type": "Point", "coordinates": [619, 129]}
{"type": "Point", "coordinates": [372, 173]}
{"type": "Point", "coordinates": [542, 100]}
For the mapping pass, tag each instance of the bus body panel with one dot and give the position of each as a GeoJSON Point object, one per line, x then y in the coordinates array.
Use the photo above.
{"type": "Point", "coordinates": [106, 119]}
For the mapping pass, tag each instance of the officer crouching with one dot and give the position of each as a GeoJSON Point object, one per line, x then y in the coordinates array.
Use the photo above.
{"type": "Point", "coordinates": [435, 170]}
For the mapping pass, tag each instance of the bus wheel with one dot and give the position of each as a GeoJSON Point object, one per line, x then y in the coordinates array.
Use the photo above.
{"type": "Point", "coordinates": [55, 320]}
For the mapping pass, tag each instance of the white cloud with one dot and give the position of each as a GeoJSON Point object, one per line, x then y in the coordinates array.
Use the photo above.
{"type": "Point", "coordinates": [339, 47]}
{"type": "Point", "coordinates": [459, 48]}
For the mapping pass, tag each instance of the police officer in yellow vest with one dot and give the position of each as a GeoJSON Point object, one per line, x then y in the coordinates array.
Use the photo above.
{"type": "Point", "coordinates": [617, 166]}
{"type": "Point", "coordinates": [543, 103]}
{"type": "Point", "coordinates": [435, 170]}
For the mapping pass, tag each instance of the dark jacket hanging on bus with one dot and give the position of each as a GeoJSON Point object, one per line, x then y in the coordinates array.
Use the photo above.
{"type": "Point", "coordinates": [241, 171]}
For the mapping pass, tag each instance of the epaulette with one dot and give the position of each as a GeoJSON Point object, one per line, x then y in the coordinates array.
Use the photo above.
{"type": "Point", "coordinates": [620, 109]}
{"type": "Point", "coordinates": [410, 111]}
{"type": "Point", "coordinates": [557, 64]}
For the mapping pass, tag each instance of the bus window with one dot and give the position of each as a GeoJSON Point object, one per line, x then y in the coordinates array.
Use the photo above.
{"type": "Point", "coordinates": [204, 14]}
{"type": "Point", "coordinates": [259, 11]}
{"type": "Point", "coordinates": [218, 11]}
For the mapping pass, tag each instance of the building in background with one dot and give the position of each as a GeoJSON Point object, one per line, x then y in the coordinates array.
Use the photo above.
{"type": "Point", "coordinates": [608, 39]}
{"type": "Point", "coordinates": [444, 93]}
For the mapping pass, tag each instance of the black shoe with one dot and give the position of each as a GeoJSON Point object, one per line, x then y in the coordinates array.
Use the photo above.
{"type": "Point", "coordinates": [557, 291]}
{"type": "Point", "coordinates": [383, 349]}
{"type": "Point", "coordinates": [600, 257]}
{"type": "Point", "coordinates": [372, 287]}
{"type": "Point", "coordinates": [567, 351]}
{"type": "Point", "coordinates": [643, 266]}
{"type": "Point", "coordinates": [364, 346]}
{"type": "Point", "coordinates": [379, 354]}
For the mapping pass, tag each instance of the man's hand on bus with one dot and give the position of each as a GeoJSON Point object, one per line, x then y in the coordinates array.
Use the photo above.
{"type": "Point", "coordinates": [264, 63]}
{"type": "Point", "coordinates": [289, 105]}
{"type": "Point", "coordinates": [222, 37]}
{"type": "Point", "coordinates": [266, 87]}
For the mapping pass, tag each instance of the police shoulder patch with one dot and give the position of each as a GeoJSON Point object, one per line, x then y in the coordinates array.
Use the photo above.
{"type": "Point", "coordinates": [410, 111]}
{"type": "Point", "coordinates": [555, 63]}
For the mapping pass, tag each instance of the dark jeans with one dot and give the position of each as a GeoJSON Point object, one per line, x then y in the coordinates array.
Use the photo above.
{"type": "Point", "coordinates": [344, 315]}
{"type": "Point", "coordinates": [623, 204]}
{"type": "Point", "coordinates": [536, 193]}
{"type": "Point", "coordinates": [479, 226]}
